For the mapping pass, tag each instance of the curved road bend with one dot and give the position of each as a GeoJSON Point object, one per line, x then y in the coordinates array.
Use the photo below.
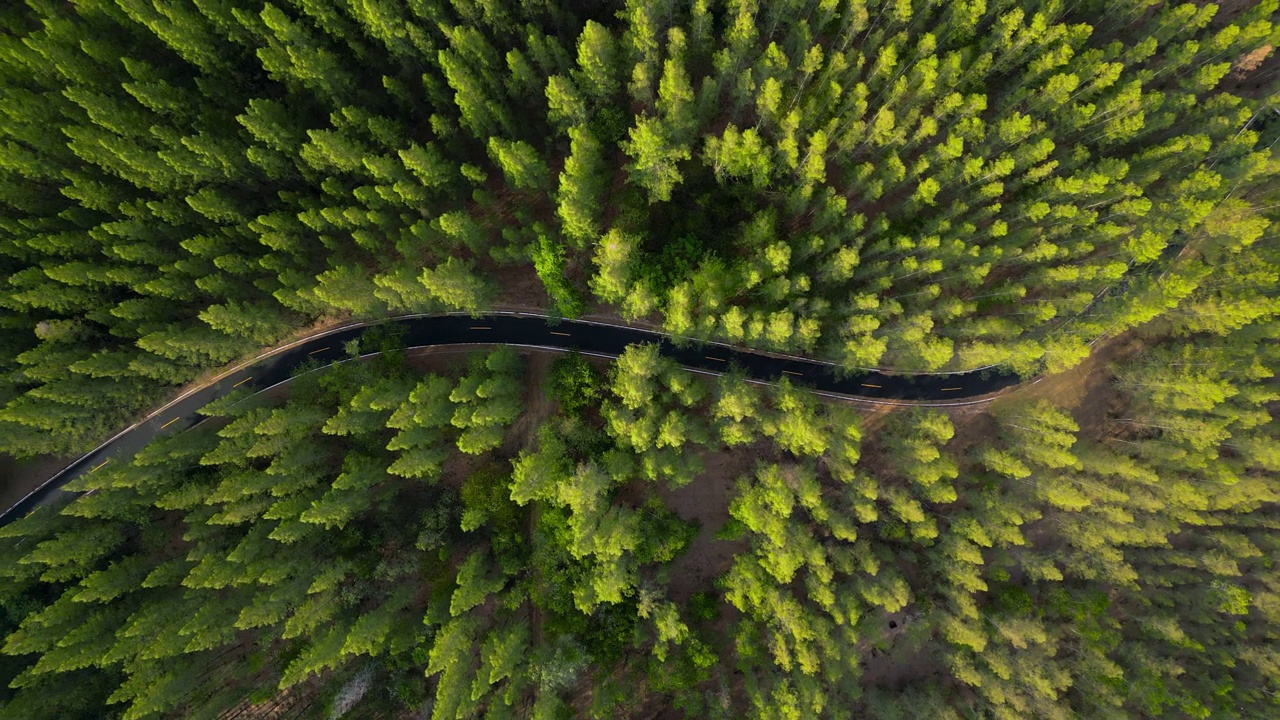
{"type": "Point", "coordinates": [528, 331]}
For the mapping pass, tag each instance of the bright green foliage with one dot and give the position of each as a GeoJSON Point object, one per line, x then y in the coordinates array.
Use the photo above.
{"type": "Point", "coordinates": [575, 383]}
{"type": "Point", "coordinates": [797, 427]}
{"type": "Point", "coordinates": [654, 157]}
{"type": "Point", "coordinates": [736, 155]}
{"type": "Point", "coordinates": [420, 419]}
{"type": "Point", "coordinates": [486, 400]}
{"type": "Point", "coordinates": [549, 263]}
{"type": "Point", "coordinates": [582, 185]}
{"type": "Point", "coordinates": [613, 258]}
{"type": "Point", "coordinates": [597, 61]}
{"type": "Point", "coordinates": [737, 409]}
{"type": "Point", "coordinates": [920, 186]}
{"type": "Point", "coordinates": [520, 163]}
{"type": "Point", "coordinates": [456, 284]}
{"type": "Point", "coordinates": [916, 441]}
{"type": "Point", "coordinates": [473, 586]}
{"type": "Point", "coordinates": [650, 415]}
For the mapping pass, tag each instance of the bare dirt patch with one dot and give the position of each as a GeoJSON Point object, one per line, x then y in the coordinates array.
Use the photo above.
{"type": "Point", "coordinates": [1087, 390]}
{"type": "Point", "coordinates": [972, 425]}
{"type": "Point", "coordinates": [871, 418]}
{"type": "Point", "coordinates": [902, 662]}
{"type": "Point", "coordinates": [519, 286]}
{"type": "Point", "coordinates": [284, 704]}
{"type": "Point", "coordinates": [706, 500]}
{"type": "Point", "coordinates": [537, 406]}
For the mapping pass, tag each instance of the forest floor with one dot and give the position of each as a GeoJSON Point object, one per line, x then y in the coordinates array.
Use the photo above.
{"type": "Point", "coordinates": [896, 658]}
{"type": "Point", "coordinates": [1086, 390]}
{"type": "Point", "coordinates": [706, 500]}
{"type": "Point", "coordinates": [537, 406]}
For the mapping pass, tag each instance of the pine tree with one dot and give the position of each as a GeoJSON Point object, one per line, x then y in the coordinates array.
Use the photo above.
{"type": "Point", "coordinates": [597, 72]}
{"type": "Point", "coordinates": [456, 284]}
{"type": "Point", "coordinates": [520, 163]}
{"type": "Point", "coordinates": [473, 586]}
{"type": "Point", "coordinates": [579, 201]}
{"type": "Point", "coordinates": [655, 155]}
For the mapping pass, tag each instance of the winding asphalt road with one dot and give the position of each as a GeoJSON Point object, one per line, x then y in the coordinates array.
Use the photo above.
{"type": "Point", "coordinates": [526, 330]}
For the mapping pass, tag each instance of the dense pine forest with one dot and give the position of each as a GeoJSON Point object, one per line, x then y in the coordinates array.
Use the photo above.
{"type": "Point", "coordinates": [1082, 193]}
{"type": "Point", "coordinates": [911, 185]}
{"type": "Point", "coordinates": [630, 540]}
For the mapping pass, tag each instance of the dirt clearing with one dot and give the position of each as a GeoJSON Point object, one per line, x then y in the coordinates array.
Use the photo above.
{"type": "Point", "coordinates": [706, 500]}
{"type": "Point", "coordinates": [1086, 390]}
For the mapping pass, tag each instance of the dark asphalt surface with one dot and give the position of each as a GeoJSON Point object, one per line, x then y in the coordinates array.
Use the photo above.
{"type": "Point", "coordinates": [532, 331]}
